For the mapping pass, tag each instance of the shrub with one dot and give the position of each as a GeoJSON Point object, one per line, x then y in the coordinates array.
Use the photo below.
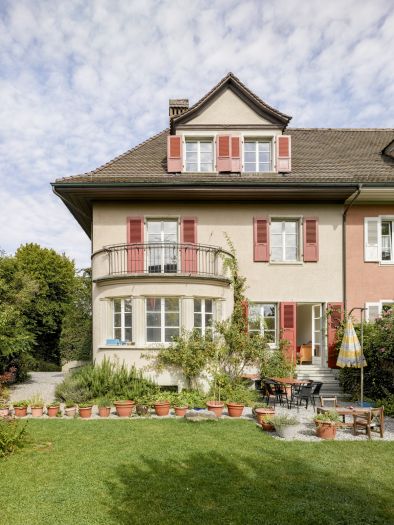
{"type": "Point", "coordinates": [13, 435]}
{"type": "Point", "coordinates": [388, 404]}
{"type": "Point", "coordinates": [106, 379]}
{"type": "Point", "coordinates": [283, 421]}
{"type": "Point", "coordinates": [239, 392]}
{"type": "Point", "coordinates": [275, 363]}
{"type": "Point", "coordinates": [379, 354]}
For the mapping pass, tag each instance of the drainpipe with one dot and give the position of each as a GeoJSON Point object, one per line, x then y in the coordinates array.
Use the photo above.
{"type": "Point", "coordinates": [347, 208]}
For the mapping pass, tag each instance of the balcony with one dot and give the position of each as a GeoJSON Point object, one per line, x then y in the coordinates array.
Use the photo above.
{"type": "Point", "coordinates": [160, 260]}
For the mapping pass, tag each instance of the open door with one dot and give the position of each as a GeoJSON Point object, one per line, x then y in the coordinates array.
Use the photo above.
{"type": "Point", "coordinates": [317, 347]}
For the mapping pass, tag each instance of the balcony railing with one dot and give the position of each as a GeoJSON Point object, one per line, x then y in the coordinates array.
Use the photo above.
{"type": "Point", "coordinates": [162, 258]}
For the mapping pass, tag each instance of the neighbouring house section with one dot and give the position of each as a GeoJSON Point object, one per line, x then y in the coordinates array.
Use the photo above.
{"type": "Point", "coordinates": [370, 258]}
{"type": "Point", "coordinates": [229, 167]}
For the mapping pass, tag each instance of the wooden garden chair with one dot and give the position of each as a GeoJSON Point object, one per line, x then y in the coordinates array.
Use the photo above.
{"type": "Point", "coordinates": [372, 419]}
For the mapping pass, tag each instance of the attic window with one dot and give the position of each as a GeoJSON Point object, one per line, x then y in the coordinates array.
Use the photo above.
{"type": "Point", "coordinates": [257, 156]}
{"type": "Point", "coordinates": [199, 155]}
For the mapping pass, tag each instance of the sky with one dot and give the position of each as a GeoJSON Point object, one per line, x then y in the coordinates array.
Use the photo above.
{"type": "Point", "coordinates": [83, 81]}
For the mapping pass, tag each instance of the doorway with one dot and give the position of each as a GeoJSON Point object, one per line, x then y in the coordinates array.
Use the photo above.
{"type": "Point", "coordinates": [310, 337]}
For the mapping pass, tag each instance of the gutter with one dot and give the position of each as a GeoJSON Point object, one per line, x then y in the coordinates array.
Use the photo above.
{"type": "Point", "coordinates": [344, 215]}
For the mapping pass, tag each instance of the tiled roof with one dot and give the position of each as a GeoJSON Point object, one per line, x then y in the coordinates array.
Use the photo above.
{"type": "Point", "coordinates": [318, 156]}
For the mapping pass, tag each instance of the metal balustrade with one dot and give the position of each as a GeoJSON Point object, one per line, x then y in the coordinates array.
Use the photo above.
{"type": "Point", "coordinates": [165, 258]}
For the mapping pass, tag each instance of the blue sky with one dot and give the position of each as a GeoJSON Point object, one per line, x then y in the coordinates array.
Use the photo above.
{"type": "Point", "coordinates": [83, 81]}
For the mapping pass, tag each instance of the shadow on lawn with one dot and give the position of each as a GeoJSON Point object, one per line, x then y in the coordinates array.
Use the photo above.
{"type": "Point", "coordinates": [213, 489]}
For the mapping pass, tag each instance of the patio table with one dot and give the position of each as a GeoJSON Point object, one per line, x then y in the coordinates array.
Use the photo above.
{"type": "Point", "coordinates": [343, 411]}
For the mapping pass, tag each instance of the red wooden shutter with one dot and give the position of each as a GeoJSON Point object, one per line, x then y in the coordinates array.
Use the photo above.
{"type": "Point", "coordinates": [174, 154]}
{"type": "Point", "coordinates": [261, 239]}
{"type": "Point", "coordinates": [283, 153]}
{"type": "Point", "coordinates": [333, 322]}
{"type": "Point", "coordinates": [223, 157]}
{"type": "Point", "coordinates": [235, 154]}
{"type": "Point", "coordinates": [135, 254]}
{"type": "Point", "coordinates": [189, 253]}
{"type": "Point", "coordinates": [288, 326]}
{"type": "Point", "coordinates": [311, 239]}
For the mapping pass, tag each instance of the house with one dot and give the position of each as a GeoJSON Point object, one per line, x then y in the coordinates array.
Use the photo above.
{"type": "Point", "coordinates": [230, 166]}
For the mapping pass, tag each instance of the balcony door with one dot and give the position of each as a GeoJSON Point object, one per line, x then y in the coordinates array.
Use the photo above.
{"type": "Point", "coordinates": [162, 256]}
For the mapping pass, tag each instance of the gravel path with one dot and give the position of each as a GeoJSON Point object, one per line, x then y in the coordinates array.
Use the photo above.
{"type": "Point", "coordinates": [43, 383]}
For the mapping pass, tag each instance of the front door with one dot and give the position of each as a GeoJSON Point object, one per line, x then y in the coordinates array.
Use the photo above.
{"type": "Point", "coordinates": [162, 246]}
{"type": "Point", "coordinates": [317, 348]}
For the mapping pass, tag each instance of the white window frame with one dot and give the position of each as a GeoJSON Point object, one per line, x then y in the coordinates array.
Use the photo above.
{"type": "Point", "coordinates": [262, 329]}
{"type": "Point", "coordinates": [203, 312]}
{"type": "Point", "coordinates": [122, 319]}
{"type": "Point", "coordinates": [162, 250]}
{"type": "Point", "coordinates": [373, 252]}
{"type": "Point", "coordinates": [379, 305]}
{"type": "Point", "coordinates": [298, 221]}
{"type": "Point", "coordinates": [199, 140]}
{"type": "Point", "coordinates": [162, 319]}
{"type": "Point", "coordinates": [267, 140]}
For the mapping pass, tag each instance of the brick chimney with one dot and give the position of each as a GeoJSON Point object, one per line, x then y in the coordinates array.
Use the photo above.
{"type": "Point", "coordinates": [177, 106]}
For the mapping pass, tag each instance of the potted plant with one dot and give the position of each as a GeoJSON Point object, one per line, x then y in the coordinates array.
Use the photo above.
{"type": "Point", "coordinates": [37, 405]}
{"type": "Point", "coordinates": [162, 404]}
{"type": "Point", "coordinates": [180, 404]}
{"type": "Point", "coordinates": [263, 413]}
{"type": "Point", "coordinates": [20, 408]}
{"type": "Point", "coordinates": [143, 403]}
{"type": "Point", "coordinates": [70, 409]}
{"type": "Point", "coordinates": [239, 395]}
{"type": "Point", "coordinates": [326, 424]}
{"type": "Point", "coordinates": [53, 409]}
{"type": "Point", "coordinates": [215, 405]}
{"type": "Point", "coordinates": [285, 426]}
{"type": "Point", "coordinates": [124, 407]}
{"type": "Point", "coordinates": [85, 410]}
{"type": "Point", "coordinates": [104, 406]}
{"type": "Point", "coordinates": [4, 410]}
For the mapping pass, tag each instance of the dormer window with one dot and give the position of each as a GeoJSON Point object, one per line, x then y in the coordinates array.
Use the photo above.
{"type": "Point", "coordinates": [199, 155]}
{"type": "Point", "coordinates": [257, 156]}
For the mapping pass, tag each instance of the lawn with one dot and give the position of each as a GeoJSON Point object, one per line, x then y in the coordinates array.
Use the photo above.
{"type": "Point", "coordinates": [177, 472]}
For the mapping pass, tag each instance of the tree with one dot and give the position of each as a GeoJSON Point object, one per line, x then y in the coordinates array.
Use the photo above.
{"type": "Point", "coordinates": [54, 276]}
{"type": "Point", "coordinates": [76, 336]}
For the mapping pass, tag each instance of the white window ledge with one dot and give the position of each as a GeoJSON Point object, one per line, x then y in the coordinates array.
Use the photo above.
{"type": "Point", "coordinates": [286, 263]}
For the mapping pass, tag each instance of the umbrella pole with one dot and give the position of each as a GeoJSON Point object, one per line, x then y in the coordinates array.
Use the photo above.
{"type": "Point", "coordinates": [362, 355]}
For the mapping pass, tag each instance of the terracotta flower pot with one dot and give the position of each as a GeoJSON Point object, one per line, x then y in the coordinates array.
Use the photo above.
{"type": "Point", "coordinates": [262, 414]}
{"type": "Point", "coordinates": [85, 412]}
{"type": "Point", "coordinates": [4, 412]}
{"type": "Point", "coordinates": [216, 407]}
{"type": "Point", "coordinates": [52, 411]}
{"type": "Point", "coordinates": [104, 411]}
{"type": "Point", "coordinates": [37, 411]}
{"type": "Point", "coordinates": [235, 409]}
{"type": "Point", "coordinates": [70, 412]}
{"type": "Point", "coordinates": [180, 411]}
{"type": "Point", "coordinates": [162, 408]}
{"type": "Point", "coordinates": [124, 408]}
{"type": "Point", "coordinates": [326, 430]}
{"type": "Point", "coordinates": [20, 411]}
{"type": "Point", "coordinates": [268, 427]}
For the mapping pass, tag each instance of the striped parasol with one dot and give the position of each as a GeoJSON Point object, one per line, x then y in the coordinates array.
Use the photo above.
{"type": "Point", "coordinates": [351, 352]}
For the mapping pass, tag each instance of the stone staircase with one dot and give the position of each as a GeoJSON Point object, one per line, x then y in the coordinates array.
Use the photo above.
{"type": "Point", "coordinates": [327, 376]}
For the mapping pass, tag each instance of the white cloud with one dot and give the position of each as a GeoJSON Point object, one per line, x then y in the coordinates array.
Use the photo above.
{"type": "Point", "coordinates": [82, 81]}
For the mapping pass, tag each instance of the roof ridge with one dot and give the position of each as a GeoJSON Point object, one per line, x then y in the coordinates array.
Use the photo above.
{"type": "Point", "coordinates": [92, 172]}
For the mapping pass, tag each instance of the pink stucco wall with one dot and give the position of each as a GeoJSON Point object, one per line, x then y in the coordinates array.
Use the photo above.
{"type": "Point", "coordinates": [366, 281]}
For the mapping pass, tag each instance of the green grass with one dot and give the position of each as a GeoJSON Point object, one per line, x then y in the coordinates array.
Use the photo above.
{"type": "Point", "coordinates": [173, 472]}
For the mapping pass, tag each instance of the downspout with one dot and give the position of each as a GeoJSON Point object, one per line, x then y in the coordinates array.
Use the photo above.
{"type": "Point", "coordinates": [344, 215]}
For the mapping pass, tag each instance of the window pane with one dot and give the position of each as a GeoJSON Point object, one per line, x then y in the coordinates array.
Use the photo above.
{"type": "Point", "coordinates": [265, 167]}
{"type": "Point", "coordinates": [127, 320]}
{"type": "Point", "coordinates": [269, 310]}
{"type": "Point", "coordinates": [250, 167]}
{"type": "Point", "coordinates": [276, 240]}
{"type": "Point", "coordinates": [197, 305]}
{"type": "Point", "coordinates": [249, 146]}
{"type": "Point", "coordinates": [153, 335]}
{"type": "Point", "coordinates": [276, 254]}
{"type": "Point", "coordinates": [170, 227]}
{"type": "Point", "coordinates": [206, 168]}
{"type": "Point", "coordinates": [208, 320]}
{"type": "Point", "coordinates": [197, 320]}
{"type": "Point", "coordinates": [154, 227]}
{"type": "Point", "coordinates": [191, 146]}
{"type": "Point", "coordinates": [291, 227]}
{"type": "Point", "coordinates": [264, 157]}
{"type": "Point", "coordinates": [206, 147]}
{"type": "Point", "coordinates": [118, 320]}
{"type": "Point", "coordinates": [171, 304]}
{"type": "Point", "coordinates": [153, 319]}
{"type": "Point", "coordinates": [118, 333]}
{"type": "Point", "coordinates": [172, 319]}
{"type": "Point", "coordinates": [153, 304]}
{"type": "Point", "coordinates": [117, 305]}
{"type": "Point", "coordinates": [170, 333]}
{"type": "Point", "coordinates": [276, 227]}
{"type": "Point", "coordinates": [191, 167]}
{"type": "Point", "coordinates": [269, 323]}
{"type": "Point", "coordinates": [191, 157]}
{"type": "Point", "coordinates": [291, 254]}
{"type": "Point", "coordinates": [254, 324]}
{"type": "Point", "coordinates": [127, 334]}
{"type": "Point", "coordinates": [250, 157]}
{"type": "Point", "coordinates": [264, 147]}
{"type": "Point", "coordinates": [270, 336]}
{"type": "Point", "coordinates": [291, 240]}
{"type": "Point", "coordinates": [385, 228]}
{"type": "Point", "coordinates": [127, 305]}
{"type": "Point", "coordinates": [208, 305]}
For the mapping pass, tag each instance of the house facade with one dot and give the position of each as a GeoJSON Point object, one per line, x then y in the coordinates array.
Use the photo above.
{"type": "Point", "coordinates": [161, 215]}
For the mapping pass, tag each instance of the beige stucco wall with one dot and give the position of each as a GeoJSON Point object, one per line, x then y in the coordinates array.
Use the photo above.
{"type": "Point", "coordinates": [319, 282]}
{"type": "Point", "coordinates": [228, 109]}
